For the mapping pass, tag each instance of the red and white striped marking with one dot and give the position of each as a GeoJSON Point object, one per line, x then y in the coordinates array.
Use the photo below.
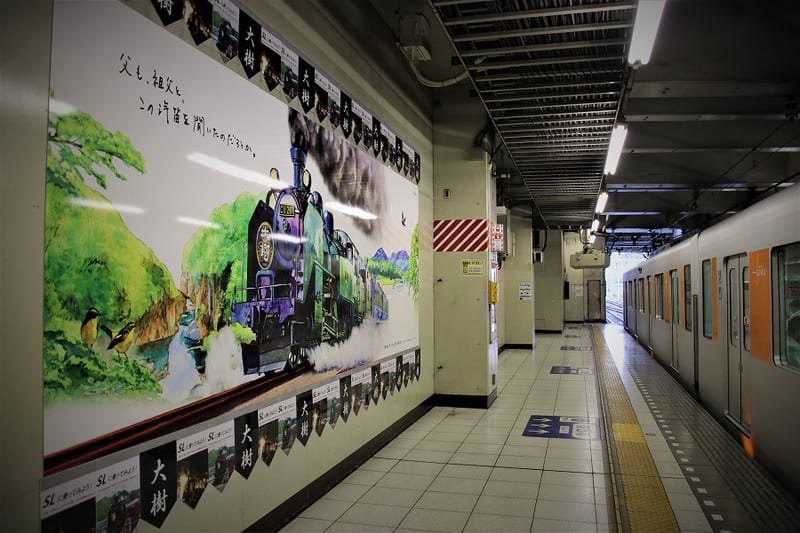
{"type": "Point", "coordinates": [461, 235]}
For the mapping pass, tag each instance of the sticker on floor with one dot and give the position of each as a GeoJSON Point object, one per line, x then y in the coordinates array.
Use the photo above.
{"type": "Point", "coordinates": [563, 427]}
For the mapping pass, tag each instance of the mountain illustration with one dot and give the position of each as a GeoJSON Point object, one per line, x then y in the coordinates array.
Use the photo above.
{"type": "Point", "coordinates": [399, 259]}
{"type": "Point", "coordinates": [380, 255]}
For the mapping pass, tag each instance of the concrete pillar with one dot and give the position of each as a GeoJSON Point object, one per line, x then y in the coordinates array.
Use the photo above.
{"type": "Point", "coordinates": [465, 355]}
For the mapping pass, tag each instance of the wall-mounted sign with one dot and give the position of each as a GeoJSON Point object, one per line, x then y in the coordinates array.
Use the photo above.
{"type": "Point", "coordinates": [525, 291]}
{"type": "Point", "coordinates": [497, 238]}
{"type": "Point", "coordinates": [476, 267]}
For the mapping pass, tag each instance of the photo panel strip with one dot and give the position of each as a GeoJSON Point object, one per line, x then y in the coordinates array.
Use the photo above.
{"type": "Point", "coordinates": [221, 454]}
{"type": "Point", "coordinates": [289, 66]}
{"type": "Point", "coordinates": [387, 377]}
{"type": "Point", "coordinates": [225, 28]}
{"type": "Point", "coordinates": [321, 100]}
{"type": "Point", "coordinates": [192, 456]}
{"type": "Point", "coordinates": [409, 367]}
{"type": "Point", "coordinates": [361, 388]}
{"type": "Point", "coordinates": [271, 59]}
{"type": "Point", "coordinates": [268, 431]}
{"type": "Point", "coordinates": [69, 506]}
{"type": "Point", "coordinates": [118, 497]}
{"type": "Point", "coordinates": [198, 15]}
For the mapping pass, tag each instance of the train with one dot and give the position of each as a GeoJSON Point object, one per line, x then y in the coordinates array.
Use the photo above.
{"type": "Point", "coordinates": [721, 311]}
{"type": "Point", "coordinates": [306, 282]}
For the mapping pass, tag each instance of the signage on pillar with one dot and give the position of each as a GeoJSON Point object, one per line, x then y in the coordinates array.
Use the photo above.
{"type": "Point", "coordinates": [303, 406]}
{"type": "Point", "coordinates": [168, 12]}
{"type": "Point", "coordinates": [246, 428]}
{"type": "Point", "coordinates": [347, 115]}
{"type": "Point", "coordinates": [158, 482]}
{"type": "Point", "coordinates": [249, 44]}
{"type": "Point", "coordinates": [307, 85]}
{"type": "Point", "coordinates": [497, 238]}
{"type": "Point", "coordinates": [346, 396]}
{"type": "Point", "coordinates": [375, 394]}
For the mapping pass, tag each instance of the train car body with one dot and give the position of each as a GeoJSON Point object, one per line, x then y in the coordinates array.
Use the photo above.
{"type": "Point", "coordinates": [721, 311]}
{"type": "Point", "coordinates": [306, 283]}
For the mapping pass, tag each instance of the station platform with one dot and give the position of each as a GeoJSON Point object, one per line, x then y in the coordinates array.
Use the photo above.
{"type": "Point", "coordinates": [588, 433]}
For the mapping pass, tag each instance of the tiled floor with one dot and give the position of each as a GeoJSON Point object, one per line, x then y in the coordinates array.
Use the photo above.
{"type": "Point", "coordinates": [473, 470]}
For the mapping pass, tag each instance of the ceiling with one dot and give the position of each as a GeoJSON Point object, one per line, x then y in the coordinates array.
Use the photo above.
{"type": "Point", "coordinates": [712, 118]}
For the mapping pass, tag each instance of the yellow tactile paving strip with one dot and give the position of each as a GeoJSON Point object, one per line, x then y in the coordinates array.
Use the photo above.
{"type": "Point", "coordinates": [646, 507]}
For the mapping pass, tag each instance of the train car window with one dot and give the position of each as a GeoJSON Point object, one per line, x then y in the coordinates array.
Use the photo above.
{"type": "Point", "coordinates": [786, 305]}
{"type": "Point", "coordinates": [708, 295]}
{"type": "Point", "coordinates": [746, 308]}
{"type": "Point", "coordinates": [640, 294]}
{"type": "Point", "coordinates": [733, 305]}
{"type": "Point", "coordinates": [687, 296]}
{"type": "Point", "coordinates": [659, 300]}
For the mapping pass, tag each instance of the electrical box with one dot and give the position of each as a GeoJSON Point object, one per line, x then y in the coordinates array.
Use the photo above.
{"type": "Point", "coordinates": [591, 259]}
{"type": "Point", "coordinates": [494, 292]}
{"type": "Point", "coordinates": [538, 256]}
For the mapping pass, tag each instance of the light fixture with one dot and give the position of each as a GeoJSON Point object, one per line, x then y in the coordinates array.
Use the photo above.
{"type": "Point", "coordinates": [592, 238]}
{"type": "Point", "coordinates": [235, 171]}
{"type": "Point", "coordinates": [601, 202]}
{"type": "Point", "coordinates": [595, 225]}
{"type": "Point", "coordinates": [105, 206]}
{"type": "Point", "coordinates": [198, 222]}
{"type": "Point", "coordinates": [350, 210]}
{"type": "Point", "coordinates": [615, 146]}
{"type": "Point", "coordinates": [645, 28]}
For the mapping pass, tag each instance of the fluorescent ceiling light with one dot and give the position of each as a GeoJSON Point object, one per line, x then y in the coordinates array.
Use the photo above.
{"type": "Point", "coordinates": [235, 171]}
{"type": "Point", "coordinates": [595, 224]}
{"type": "Point", "coordinates": [198, 222]}
{"type": "Point", "coordinates": [349, 210]}
{"type": "Point", "coordinates": [648, 15]}
{"type": "Point", "coordinates": [105, 206]}
{"type": "Point", "coordinates": [615, 148]}
{"type": "Point", "coordinates": [601, 202]}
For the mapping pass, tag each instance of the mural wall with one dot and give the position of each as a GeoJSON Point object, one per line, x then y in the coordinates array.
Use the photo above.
{"type": "Point", "coordinates": [224, 224]}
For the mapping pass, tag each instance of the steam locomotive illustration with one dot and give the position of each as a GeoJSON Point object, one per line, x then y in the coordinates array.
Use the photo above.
{"type": "Point", "coordinates": [307, 284]}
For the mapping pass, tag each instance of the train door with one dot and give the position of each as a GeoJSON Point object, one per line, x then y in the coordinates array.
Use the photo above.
{"type": "Point", "coordinates": [650, 312]}
{"type": "Point", "coordinates": [675, 313]}
{"type": "Point", "coordinates": [738, 284]}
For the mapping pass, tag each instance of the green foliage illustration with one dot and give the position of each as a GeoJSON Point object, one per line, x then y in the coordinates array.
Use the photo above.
{"type": "Point", "coordinates": [412, 274]}
{"type": "Point", "coordinates": [384, 269]}
{"type": "Point", "coordinates": [72, 368]}
{"type": "Point", "coordinates": [93, 261]}
{"type": "Point", "coordinates": [219, 248]}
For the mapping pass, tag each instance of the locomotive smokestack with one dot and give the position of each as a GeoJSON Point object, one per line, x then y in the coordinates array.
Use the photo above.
{"type": "Point", "coordinates": [299, 162]}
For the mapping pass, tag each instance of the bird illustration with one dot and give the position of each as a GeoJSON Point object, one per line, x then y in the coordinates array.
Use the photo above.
{"type": "Point", "coordinates": [89, 327]}
{"type": "Point", "coordinates": [402, 218]}
{"type": "Point", "coordinates": [121, 342]}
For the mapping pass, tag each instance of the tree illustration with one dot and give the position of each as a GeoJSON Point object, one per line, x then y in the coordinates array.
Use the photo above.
{"type": "Point", "coordinates": [412, 274]}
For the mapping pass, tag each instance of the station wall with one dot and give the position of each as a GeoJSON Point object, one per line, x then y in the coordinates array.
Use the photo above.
{"type": "Point", "coordinates": [357, 51]}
